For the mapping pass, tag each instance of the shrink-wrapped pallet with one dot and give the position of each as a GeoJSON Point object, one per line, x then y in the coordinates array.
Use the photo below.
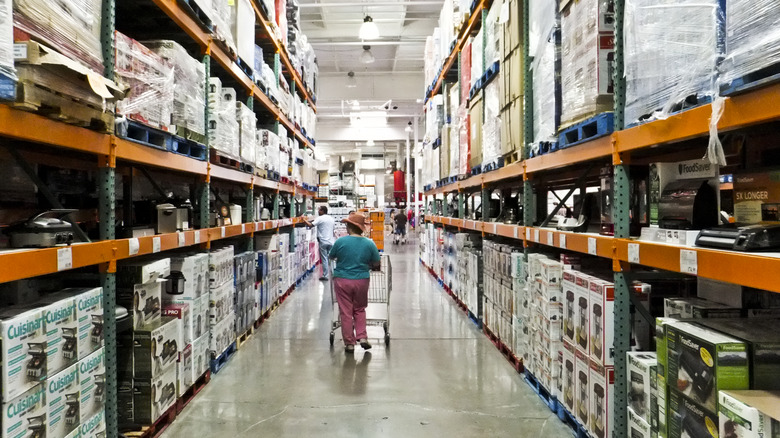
{"type": "Point", "coordinates": [247, 127]}
{"type": "Point", "coordinates": [544, 49]}
{"type": "Point", "coordinates": [752, 38]}
{"type": "Point", "coordinates": [491, 126]}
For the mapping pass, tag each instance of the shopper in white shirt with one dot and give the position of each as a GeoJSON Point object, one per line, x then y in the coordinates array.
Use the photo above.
{"type": "Point", "coordinates": [325, 225]}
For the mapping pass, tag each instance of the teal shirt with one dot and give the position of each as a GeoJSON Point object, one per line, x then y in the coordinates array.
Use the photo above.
{"type": "Point", "coordinates": [354, 256]}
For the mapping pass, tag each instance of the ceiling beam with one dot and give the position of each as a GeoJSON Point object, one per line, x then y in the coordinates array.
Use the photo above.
{"type": "Point", "coordinates": [370, 4]}
{"type": "Point", "coordinates": [404, 42]}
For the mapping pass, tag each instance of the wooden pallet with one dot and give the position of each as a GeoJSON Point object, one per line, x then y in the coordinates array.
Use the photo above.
{"type": "Point", "coordinates": [220, 361]}
{"type": "Point", "coordinates": [220, 159]}
{"type": "Point", "coordinates": [190, 394]}
{"type": "Point", "coordinates": [243, 338]}
{"type": "Point", "coordinates": [512, 157]}
{"type": "Point", "coordinates": [58, 106]}
{"type": "Point", "coordinates": [157, 428]}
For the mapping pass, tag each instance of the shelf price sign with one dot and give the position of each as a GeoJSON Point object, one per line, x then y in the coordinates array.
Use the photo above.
{"type": "Point", "coordinates": [592, 246]}
{"type": "Point", "coordinates": [689, 263]}
{"type": "Point", "coordinates": [156, 244]}
{"type": "Point", "coordinates": [197, 237]}
{"type": "Point", "coordinates": [536, 235]}
{"type": "Point", "coordinates": [133, 246]}
{"type": "Point", "coordinates": [551, 239]}
{"type": "Point", "coordinates": [64, 258]}
{"type": "Point", "coordinates": [562, 239]}
{"type": "Point", "coordinates": [633, 253]}
{"type": "Point", "coordinates": [182, 239]}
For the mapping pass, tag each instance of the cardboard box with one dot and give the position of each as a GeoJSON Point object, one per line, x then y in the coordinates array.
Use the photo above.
{"type": "Point", "coordinates": [763, 339]}
{"type": "Point", "coordinates": [569, 377]}
{"type": "Point", "coordinates": [94, 427]}
{"type": "Point", "coordinates": [201, 356]}
{"type": "Point", "coordinates": [222, 335]}
{"type": "Point", "coordinates": [702, 362]}
{"type": "Point", "coordinates": [659, 397]}
{"type": "Point", "coordinates": [26, 412]}
{"type": "Point", "coordinates": [89, 311]}
{"type": "Point", "coordinates": [582, 312]}
{"type": "Point", "coordinates": [133, 272]}
{"type": "Point", "coordinates": [582, 392]}
{"type": "Point", "coordinates": [662, 374]}
{"type": "Point", "coordinates": [24, 350]}
{"type": "Point", "coordinates": [602, 383]}
{"type": "Point", "coordinates": [511, 127]}
{"type": "Point", "coordinates": [184, 371]}
{"type": "Point", "coordinates": [757, 197]}
{"type": "Point", "coordinates": [144, 301]}
{"type": "Point", "coordinates": [184, 313]}
{"type": "Point", "coordinates": [92, 380]}
{"type": "Point", "coordinates": [475, 122]}
{"type": "Point", "coordinates": [637, 426]}
{"type": "Point", "coordinates": [749, 414]}
{"type": "Point", "coordinates": [690, 419]}
{"type": "Point", "coordinates": [190, 268]}
{"type": "Point", "coordinates": [153, 397]}
{"type": "Point", "coordinates": [156, 348]}
{"type": "Point", "coordinates": [220, 303]}
{"type": "Point", "coordinates": [642, 371]}
{"type": "Point", "coordinates": [62, 332]}
{"type": "Point", "coordinates": [695, 308]}
{"type": "Point", "coordinates": [569, 289]}
{"type": "Point", "coordinates": [511, 28]}
{"type": "Point", "coordinates": [63, 402]}
{"type": "Point", "coordinates": [602, 321]}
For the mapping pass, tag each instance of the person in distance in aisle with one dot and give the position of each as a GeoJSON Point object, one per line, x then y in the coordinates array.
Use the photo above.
{"type": "Point", "coordinates": [325, 236]}
{"type": "Point", "coordinates": [400, 227]}
{"type": "Point", "coordinates": [355, 256]}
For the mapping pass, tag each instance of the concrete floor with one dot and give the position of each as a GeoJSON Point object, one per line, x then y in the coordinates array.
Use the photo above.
{"type": "Point", "coordinates": [441, 377]}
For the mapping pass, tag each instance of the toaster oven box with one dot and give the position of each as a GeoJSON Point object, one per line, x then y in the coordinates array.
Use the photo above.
{"type": "Point", "coordinates": [153, 397]}
{"type": "Point", "coordinates": [641, 376]}
{"type": "Point", "coordinates": [156, 348]}
{"type": "Point", "coordinates": [696, 308]}
{"type": "Point", "coordinates": [63, 402]}
{"type": "Point", "coordinates": [23, 345]}
{"type": "Point", "coordinates": [702, 362]}
{"type": "Point", "coordinates": [25, 412]}
{"type": "Point", "coordinates": [92, 380]}
{"type": "Point", "coordinates": [144, 301]}
{"type": "Point", "coordinates": [688, 419]}
{"type": "Point", "coordinates": [749, 414]}
{"type": "Point", "coordinates": [602, 384]}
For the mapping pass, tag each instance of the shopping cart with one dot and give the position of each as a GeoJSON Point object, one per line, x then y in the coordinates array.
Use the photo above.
{"type": "Point", "coordinates": [378, 310]}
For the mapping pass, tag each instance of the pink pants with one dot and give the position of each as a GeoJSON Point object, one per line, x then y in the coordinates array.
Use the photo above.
{"type": "Point", "coordinates": [352, 296]}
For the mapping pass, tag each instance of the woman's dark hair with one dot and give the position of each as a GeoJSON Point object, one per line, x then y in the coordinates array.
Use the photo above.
{"type": "Point", "coordinates": [352, 228]}
{"type": "Point", "coordinates": [323, 209]}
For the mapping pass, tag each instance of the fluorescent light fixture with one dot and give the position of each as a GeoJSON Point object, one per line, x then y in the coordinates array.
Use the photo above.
{"type": "Point", "coordinates": [351, 81]}
{"type": "Point", "coordinates": [368, 30]}
{"type": "Point", "coordinates": [368, 119]}
{"type": "Point", "coordinates": [367, 57]}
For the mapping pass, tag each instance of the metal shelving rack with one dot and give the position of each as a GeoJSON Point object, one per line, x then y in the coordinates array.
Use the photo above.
{"type": "Point", "coordinates": [744, 110]}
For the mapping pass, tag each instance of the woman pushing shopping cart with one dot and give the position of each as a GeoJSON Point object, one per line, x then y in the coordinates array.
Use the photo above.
{"type": "Point", "coordinates": [360, 286]}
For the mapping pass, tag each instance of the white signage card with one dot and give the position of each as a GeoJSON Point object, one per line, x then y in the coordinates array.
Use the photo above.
{"type": "Point", "coordinates": [182, 239]}
{"type": "Point", "coordinates": [536, 235]}
{"type": "Point", "coordinates": [562, 240]}
{"type": "Point", "coordinates": [689, 262]}
{"type": "Point", "coordinates": [197, 237]}
{"type": "Point", "coordinates": [516, 231]}
{"type": "Point", "coordinates": [64, 258]}
{"type": "Point", "coordinates": [527, 234]}
{"type": "Point", "coordinates": [222, 231]}
{"type": "Point", "coordinates": [592, 246]}
{"type": "Point", "coordinates": [633, 253]}
{"type": "Point", "coordinates": [551, 239]}
{"type": "Point", "coordinates": [133, 246]}
{"type": "Point", "coordinates": [156, 244]}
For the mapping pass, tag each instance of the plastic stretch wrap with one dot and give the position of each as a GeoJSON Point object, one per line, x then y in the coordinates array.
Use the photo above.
{"type": "Point", "coordinates": [270, 9]}
{"type": "Point", "coordinates": [151, 82]}
{"type": "Point", "coordinates": [455, 131]}
{"type": "Point", "coordinates": [672, 50]}
{"type": "Point", "coordinates": [242, 26]}
{"type": "Point", "coordinates": [221, 18]}
{"type": "Point", "coordinates": [247, 122]}
{"type": "Point", "coordinates": [544, 50]}
{"type": "Point", "coordinates": [493, 34]}
{"type": "Point", "coordinates": [446, 29]}
{"type": "Point", "coordinates": [464, 128]}
{"type": "Point", "coordinates": [260, 151]}
{"type": "Point", "coordinates": [284, 153]}
{"type": "Point", "coordinates": [189, 81]}
{"type": "Point", "coordinates": [477, 58]}
{"type": "Point", "coordinates": [268, 143]}
{"type": "Point", "coordinates": [752, 39]}
{"type": "Point", "coordinates": [281, 20]}
{"type": "Point", "coordinates": [430, 66]}
{"type": "Point", "coordinates": [297, 174]}
{"type": "Point", "coordinates": [465, 71]}
{"type": "Point", "coordinates": [587, 51]}
{"type": "Point", "coordinates": [6, 39]}
{"type": "Point", "coordinates": [70, 26]}
{"type": "Point", "coordinates": [491, 127]}
{"type": "Point", "coordinates": [223, 127]}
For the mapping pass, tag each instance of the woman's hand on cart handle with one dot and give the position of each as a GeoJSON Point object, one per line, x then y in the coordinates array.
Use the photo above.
{"type": "Point", "coordinates": [377, 266]}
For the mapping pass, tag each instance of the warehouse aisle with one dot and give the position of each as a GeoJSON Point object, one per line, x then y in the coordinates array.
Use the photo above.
{"type": "Point", "coordinates": [441, 376]}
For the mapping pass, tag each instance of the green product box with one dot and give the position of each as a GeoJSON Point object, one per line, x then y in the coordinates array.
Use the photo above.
{"type": "Point", "coordinates": [702, 361]}
{"type": "Point", "coordinates": [660, 344]}
{"type": "Point", "coordinates": [763, 339]}
{"type": "Point", "coordinates": [690, 419]}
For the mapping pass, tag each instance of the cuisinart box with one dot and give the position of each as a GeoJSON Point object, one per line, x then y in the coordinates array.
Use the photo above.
{"type": "Point", "coordinates": [62, 331]}
{"type": "Point", "coordinates": [757, 197]}
{"type": "Point", "coordinates": [145, 300]}
{"type": "Point", "coordinates": [763, 339]}
{"type": "Point", "coordinates": [183, 311]}
{"type": "Point", "coordinates": [602, 383]}
{"type": "Point", "coordinates": [641, 373]}
{"type": "Point", "coordinates": [23, 345]}
{"type": "Point", "coordinates": [156, 348]}
{"type": "Point", "coordinates": [749, 414]}
{"type": "Point", "coordinates": [25, 415]}
{"type": "Point", "coordinates": [602, 321]}
{"type": "Point", "coordinates": [94, 427]}
{"type": "Point", "coordinates": [690, 419]}
{"type": "Point", "coordinates": [89, 311]}
{"type": "Point", "coordinates": [63, 402]}
{"type": "Point", "coordinates": [92, 379]}
{"type": "Point", "coordinates": [702, 362]}
{"type": "Point", "coordinates": [152, 397]}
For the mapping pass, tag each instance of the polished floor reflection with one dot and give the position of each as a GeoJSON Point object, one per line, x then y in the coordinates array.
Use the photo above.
{"type": "Point", "coordinates": [440, 377]}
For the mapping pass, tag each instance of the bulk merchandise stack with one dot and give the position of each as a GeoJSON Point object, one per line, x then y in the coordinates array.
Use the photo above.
{"type": "Point", "coordinates": [244, 302]}
{"type": "Point", "coordinates": [498, 312]}
{"type": "Point", "coordinates": [545, 48]}
{"type": "Point", "coordinates": [222, 291]}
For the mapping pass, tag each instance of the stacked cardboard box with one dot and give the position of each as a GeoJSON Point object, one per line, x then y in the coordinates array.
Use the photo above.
{"type": "Point", "coordinates": [247, 133]}
{"type": "Point", "coordinates": [221, 298]}
{"type": "Point", "coordinates": [545, 48]}
{"type": "Point", "coordinates": [223, 129]}
{"type": "Point", "coordinates": [244, 300]}
{"type": "Point", "coordinates": [499, 299]}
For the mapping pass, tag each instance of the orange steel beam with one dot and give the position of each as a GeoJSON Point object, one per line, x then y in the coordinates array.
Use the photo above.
{"type": "Point", "coordinates": [598, 148]}
{"type": "Point", "coordinates": [21, 125]}
{"type": "Point", "coordinates": [137, 153]}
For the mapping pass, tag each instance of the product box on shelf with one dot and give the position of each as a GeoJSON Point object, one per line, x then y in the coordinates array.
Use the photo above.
{"type": "Point", "coordinates": [185, 373]}
{"type": "Point", "coordinates": [222, 335]}
{"type": "Point", "coordinates": [62, 402]}
{"type": "Point", "coordinates": [570, 310]}
{"type": "Point", "coordinates": [190, 272]}
{"type": "Point", "coordinates": [582, 368]}
{"type": "Point", "coordinates": [642, 371]}
{"type": "Point", "coordinates": [201, 355]}
{"type": "Point", "coordinates": [89, 312]}
{"type": "Point", "coordinates": [92, 380]}
{"type": "Point", "coordinates": [637, 426]}
{"type": "Point", "coordinates": [756, 196]}
{"type": "Point", "coordinates": [243, 29]}
{"type": "Point", "coordinates": [602, 383]}
{"type": "Point", "coordinates": [763, 341]}
{"type": "Point", "coordinates": [220, 302]}
{"type": "Point", "coordinates": [602, 321]}
{"type": "Point", "coordinates": [94, 427]}
{"type": "Point", "coordinates": [153, 397]}
{"type": "Point", "coordinates": [26, 412]}
{"type": "Point", "coordinates": [658, 404]}
{"type": "Point", "coordinates": [476, 119]}
{"type": "Point", "coordinates": [144, 301]}
{"type": "Point", "coordinates": [686, 418]}
{"type": "Point", "coordinates": [184, 313]}
{"type": "Point", "coordinates": [130, 273]}
{"type": "Point", "coordinates": [702, 362]}
{"type": "Point", "coordinates": [749, 414]}
{"type": "Point", "coordinates": [583, 314]}
{"type": "Point", "coordinates": [695, 308]}
{"type": "Point", "coordinates": [156, 348]}
{"type": "Point", "coordinates": [569, 377]}
{"type": "Point", "coordinates": [24, 352]}
{"type": "Point", "coordinates": [59, 312]}
{"type": "Point", "coordinates": [200, 316]}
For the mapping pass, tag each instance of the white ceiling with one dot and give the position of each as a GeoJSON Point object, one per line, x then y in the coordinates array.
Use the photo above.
{"type": "Point", "coordinates": [332, 27]}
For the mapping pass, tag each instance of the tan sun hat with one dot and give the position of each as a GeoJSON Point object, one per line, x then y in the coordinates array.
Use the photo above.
{"type": "Point", "coordinates": [357, 220]}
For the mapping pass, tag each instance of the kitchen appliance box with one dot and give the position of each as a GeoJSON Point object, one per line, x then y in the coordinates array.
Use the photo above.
{"type": "Point", "coordinates": [131, 273]}
{"type": "Point", "coordinates": [220, 302]}
{"type": "Point", "coordinates": [702, 362]}
{"type": "Point", "coordinates": [695, 308]}
{"type": "Point", "coordinates": [583, 313]}
{"type": "Point", "coordinates": [62, 402]}
{"type": "Point", "coordinates": [568, 289]}
{"type": "Point", "coordinates": [23, 346]}
{"type": "Point", "coordinates": [582, 388]}
{"type": "Point", "coordinates": [59, 313]}
{"type": "Point", "coordinates": [89, 312]}
{"type": "Point", "coordinates": [94, 427]}
{"type": "Point", "coordinates": [658, 400]}
{"type": "Point", "coordinates": [690, 419]}
{"type": "Point", "coordinates": [637, 426]}
{"type": "Point", "coordinates": [757, 197]}
{"type": "Point", "coordinates": [602, 383]}
{"type": "Point", "coordinates": [184, 373]}
{"type": "Point", "coordinates": [193, 270]}
{"type": "Point", "coordinates": [143, 300]}
{"type": "Point", "coordinates": [184, 313]}
{"type": "Point", "coordinates": [201, 356]}
{"type": "Point", "coordinates": [763, 339]}
{"type": "Point", "coordinates": [26, 412]}
{"type": "Point", "coordinates": [156, 348]}
{"type": "Point", "coordinates": [641, 374]}
{"type": "Point", "coordinates": [222, 335]}
{"type": "Point", "coordinates": [153, 397]}
{"type": "Point", "coordinates": [602, 321]}
{"type": "Point", "coordinates": [569, 377]}
{"type": "Point", "coordinates": [92, 379]}
{"type": "Point", "coordinates": [662, 400]}
{"type": "Point", "coordinates": [749, 414]}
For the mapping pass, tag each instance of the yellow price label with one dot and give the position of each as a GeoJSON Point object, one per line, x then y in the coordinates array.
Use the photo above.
{"type": "Point", "coordinates": [706, 357]}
